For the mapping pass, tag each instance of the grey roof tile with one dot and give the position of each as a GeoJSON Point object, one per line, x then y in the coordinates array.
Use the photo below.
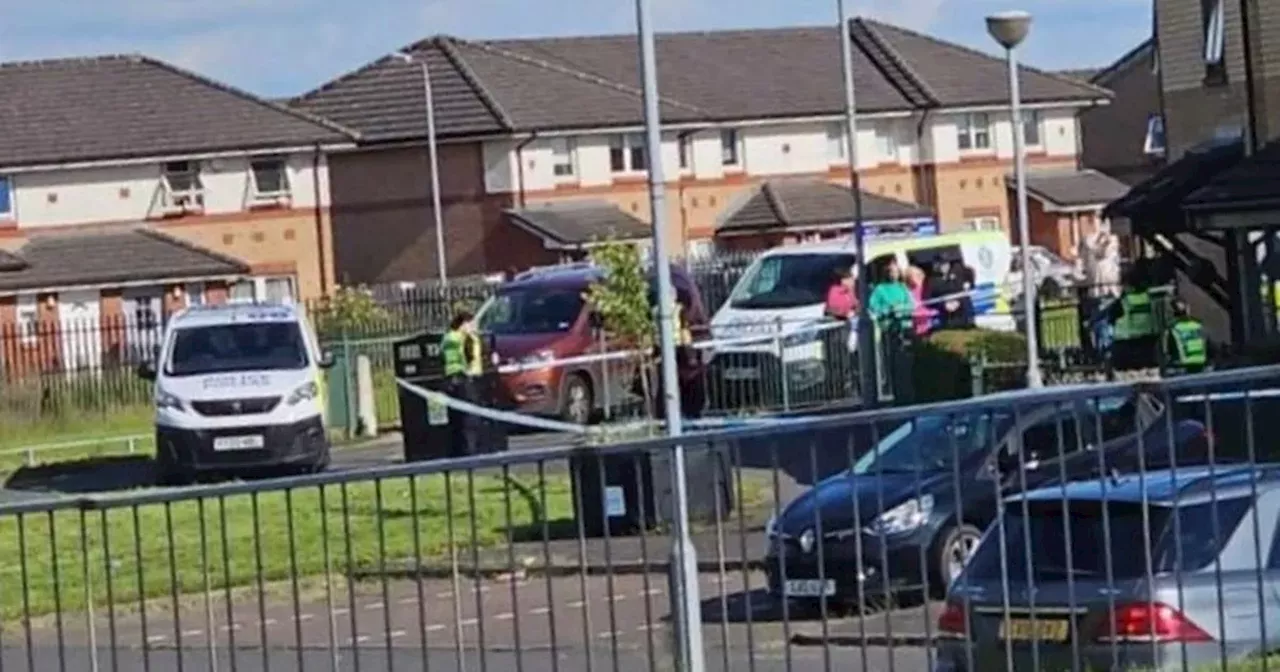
{"type": "Point", "coordinates": [575, 223]}
{"type": "Point", "coordinates": [113, 257]}
{"type": "Point", "coordinates": [802, 203]}
{"type": "Point", "coordinates": [582, 82]}
{"type": "Point", "coordinates": [1254, 182]}
{"type": "Point", "coordinates": [112, 107]}
{"type": "Point", "coordinates": [1073, 188]}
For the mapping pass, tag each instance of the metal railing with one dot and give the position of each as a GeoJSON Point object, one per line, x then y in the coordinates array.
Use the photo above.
{"type": "Point", "coordinates": [1063, 529]}
{"type": "Point", "coordinates": [116, 445]}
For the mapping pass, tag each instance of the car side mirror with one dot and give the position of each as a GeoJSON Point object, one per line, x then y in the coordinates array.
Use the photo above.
{"type": "Point", "coordinates": [147, 371]}
{"type": "Point", "coordinates": [326, 359]}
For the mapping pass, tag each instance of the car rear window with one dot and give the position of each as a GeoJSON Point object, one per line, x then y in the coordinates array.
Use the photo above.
{"type": "Point", "coordinates": [1101, 534]}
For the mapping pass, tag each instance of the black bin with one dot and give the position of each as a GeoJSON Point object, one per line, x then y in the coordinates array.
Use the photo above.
{"type": "Point", "coordinates": [624, 493]}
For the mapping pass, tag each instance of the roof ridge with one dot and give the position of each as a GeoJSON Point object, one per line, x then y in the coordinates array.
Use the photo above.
{"type": "Point", "coordinates": [163, 237]}
{"type": "Point", "coordinates": [583, 76]}
{"type": "Point", "coordinates": [247, 96]}
{"type": "Point", "coordinates": [775, 201]}
{"type": "Point", "coordinates": [1123, 61]}
{"type": "Point", "coordinates": [449, 47]}
{"type": "Point", "coordinates": [1022, 67]}
{"type": "Point", "coordinates": [914, 78]}
{"type": "Point", "coordinates": [60, 60]}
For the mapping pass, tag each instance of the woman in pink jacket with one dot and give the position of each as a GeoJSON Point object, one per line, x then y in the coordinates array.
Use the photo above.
{"type": "Point", "coordinates": [922, 316]}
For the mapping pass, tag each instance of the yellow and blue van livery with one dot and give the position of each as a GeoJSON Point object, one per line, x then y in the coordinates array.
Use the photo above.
{"type": "Point", "coordinates": [238, 388]}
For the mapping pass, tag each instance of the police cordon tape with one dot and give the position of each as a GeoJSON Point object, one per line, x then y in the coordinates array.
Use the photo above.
{"type": "Point", "coordinates": [539, 422]}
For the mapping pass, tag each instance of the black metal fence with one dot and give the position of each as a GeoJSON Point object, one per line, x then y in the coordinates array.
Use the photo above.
{"type": "Point", "coordinates": [1122, 527]}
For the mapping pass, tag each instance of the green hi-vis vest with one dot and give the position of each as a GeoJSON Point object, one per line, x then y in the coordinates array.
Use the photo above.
{"type": "Point", "coordinates": [1138, 320]}
{"type": "Point", "coordinates": [457, 360]}
{"type": "Point", "coordinates": [1188, 340]}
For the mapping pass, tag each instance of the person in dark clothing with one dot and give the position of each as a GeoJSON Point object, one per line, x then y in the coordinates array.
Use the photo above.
{"type": "Point", "coordinates": [956, 311]}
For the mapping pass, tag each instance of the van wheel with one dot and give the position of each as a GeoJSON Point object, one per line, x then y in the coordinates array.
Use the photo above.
{"type": "Point", "coordinates": [578, 403]}
{"type": "Point", "coordinates": [952, 551]}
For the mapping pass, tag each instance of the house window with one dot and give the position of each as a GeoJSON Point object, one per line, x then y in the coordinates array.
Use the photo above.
{"type": "Point", "coordinates": [270, 178]}
{"type": "Point", "coordinates": [28, 318]}
{"type": "Point", "coordinates": [562, 151]}
{"type": "Point", "coordinates": [195, 294]}
{"type": "Point", "coordinates": [700, 249]}
{"type": "Point", "coordinates": [1214, 16]}
{"type": "Point", "coordinates": [729, 150]}
{"type": "Point", "coordinates": [241, 292]}
{"type": "Point", "coordinates": [984, 223]}
{"type": "Point", "coordinates": [1031, 123]}
{"type": "Point", "coordinates": [626, 153]}
{"type": "Point", "coordinates": [887, 143]}
{"type": "Point", "coordinates": [6, 197]}
{"type": "Point", "coordinates": [277, 290]}
{"type": "Point", "coordinates": [836, 142]}
{"type": "Point", "coordinates": [974, 131]}
{"type": "Point", "coordinates": [1153, 145]}
{"type": "Point", "coordinates": [684, 146]}
{"type": "Point", "coordinates": [182, 185]}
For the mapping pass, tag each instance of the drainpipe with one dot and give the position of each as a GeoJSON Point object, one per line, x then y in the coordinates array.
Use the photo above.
{"type": "Point", "coordinates": [930, 185]}
{"type": "Point", "coordinates": [520, 165]}
{"type": "Point", "coordinates": [684, 210]}
{"type": "Point", "coordinates": [318, 214]}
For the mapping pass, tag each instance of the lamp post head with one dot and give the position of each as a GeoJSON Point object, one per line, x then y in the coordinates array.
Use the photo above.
{"type": "Point", "coordinates": [1009, 28]}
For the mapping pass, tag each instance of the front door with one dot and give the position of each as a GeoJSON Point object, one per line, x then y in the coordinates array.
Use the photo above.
{"type": "Point", "coordinates": [81, 333]}
{"type": "Point", "coordinates": [143, 309]}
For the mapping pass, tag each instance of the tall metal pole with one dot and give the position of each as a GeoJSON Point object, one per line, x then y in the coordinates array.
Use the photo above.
{"type": "Point", "coordinates": [686, 604]}
{"type": "Point", "coordinates": [1034, 378]}
{"type": "Point", "coordinates": [441, 261]}
{"type": "Point", "coordinates": [866, 334]}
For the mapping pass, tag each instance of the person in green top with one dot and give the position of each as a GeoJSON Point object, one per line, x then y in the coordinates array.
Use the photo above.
{"type": "Point", "coordinates": [461, 350]}
{"type": "Point", "coordinates": [1185, 347]}
{"type": "Point", "coordinates": [891, 304]}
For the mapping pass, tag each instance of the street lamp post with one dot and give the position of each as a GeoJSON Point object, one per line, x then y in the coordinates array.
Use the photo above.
{"type": "Point", "coordinates": [434, 160]}
{"type": "Point", "coordinates": [1009, 29]}
{"type": "Point", "coordinates": [685, 602]}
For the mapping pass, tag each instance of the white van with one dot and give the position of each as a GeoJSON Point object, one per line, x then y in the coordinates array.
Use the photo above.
{"type": "Point", "coordinates": [785, 290]}
{"type": "Point", "coordinates": [239, 387]}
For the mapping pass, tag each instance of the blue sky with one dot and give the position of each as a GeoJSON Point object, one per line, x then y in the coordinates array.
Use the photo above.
{"type": "Point", "coordinates": [283, 47]}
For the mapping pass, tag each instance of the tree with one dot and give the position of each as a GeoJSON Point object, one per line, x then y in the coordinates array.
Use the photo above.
{"type": "Point", "coordinates": [350, 310]}
{"type": "Point", "coordinates": [621, 300]}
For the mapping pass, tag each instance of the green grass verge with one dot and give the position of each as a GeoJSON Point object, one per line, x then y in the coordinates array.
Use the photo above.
{"type": "Point", "coordinates": [365, 522]}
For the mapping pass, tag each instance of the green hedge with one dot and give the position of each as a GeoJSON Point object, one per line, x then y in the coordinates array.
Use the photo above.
{"type": "Point", "coordinates": [943, 366]}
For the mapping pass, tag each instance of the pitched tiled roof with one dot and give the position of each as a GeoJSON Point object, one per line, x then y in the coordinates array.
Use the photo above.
{"type": "Point", "coordinates": [1080, 74]}
{"type": "Point", "coordinates": [112, 257]}
{"type": "Point", "coordinates": [10, 262]}
{"type": "Point", "coordinates": [1103, 76]}
{"type": "Point", "coordinates": [804, 203]}
{"type": "Point", "coordinates": [585, 82]}
{"type": "Point", "coordinates": [1158, 200]}
{"type": "Point", "coordinates": [569, 224]}
{"type": "Point", "coordinates": [1073, 188]}
{"type": "Point", "coordinates": [112, 107]}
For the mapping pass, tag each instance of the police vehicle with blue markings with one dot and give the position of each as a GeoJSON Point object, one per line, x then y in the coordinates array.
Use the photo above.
{"type": "Point", "coordinates": [239, 388]}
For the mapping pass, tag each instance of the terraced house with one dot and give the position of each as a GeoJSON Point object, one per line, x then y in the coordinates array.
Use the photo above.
{"type": "Point", "coordinates": [542, 146]}
{"type": "Point", "coordinates": [129, 188]}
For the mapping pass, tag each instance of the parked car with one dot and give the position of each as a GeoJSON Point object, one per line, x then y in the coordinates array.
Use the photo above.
{"type": "Point", "coordinates": [1153, 573]}
{"type": "Point", "coordinates": [541, 316]}
{"type": "Point", "coordinates": [1052, 274]}
{"type": "Point", "coordinates": [911, 510]}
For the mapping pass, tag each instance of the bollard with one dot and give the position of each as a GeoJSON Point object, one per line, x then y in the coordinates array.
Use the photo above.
{"type": "Point", "coordinates": [367, 422]}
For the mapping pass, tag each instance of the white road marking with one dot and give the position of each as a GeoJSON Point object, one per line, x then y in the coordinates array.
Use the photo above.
{"type": "Point", "coordinates": [468, 622]}
{"type": "Point", "coordinates": [397, 633]}
{"type": "Point", "coordinates": [269, 621]}
{"type": "Point", "coordinates": [340, 611]}
{"type": "Point", "coordinates": [504, 616]}
{"type": "Point", "coordinates": [154, 639]}
{"type": "Point", "coordinates": [374, 606]}
{"type": "Point", "coordinates": [192, 633]}
{"type": "Point", "coordinates": [435, 627]}
{"type": "Point", "coordinates": [362, 639]}
{"type": "Point", "coordinates": [303, 617]}
{"type": "Point", "coordinates": [577, 604]}
{"type": "Point", "coordinates": [540, 611]}
{"type": "Point", "coordinates": [407, 600]}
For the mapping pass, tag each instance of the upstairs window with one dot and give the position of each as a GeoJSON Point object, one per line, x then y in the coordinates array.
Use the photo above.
{"type": "Point", "coordinates": [1154, 145]}
{"type": "Point", "coordinates": [887, 142]}
{"type": "Point", "coordinates": [6, 197]}
{"type": "Point", "coordinates": [1031, 125]}
{"type": "Point", "coordinates": [974, 132]}
{"type": "Point", "coordinates": [562, 157]}
{"type": "Point", "coordinates": [684, 147]}
{"type": "Point", "coordinates": [626, 153]}
{"type": "Point", "coordinates": [1215, 39]}
{"type": "Point", "coordinates": [270, 178]}
{"type": "Point", "coordinates": [730, 154]}
{"type": "Point", "coordinates": [182, 186]}
{"type": "Point", "coordinates": [836, 145]}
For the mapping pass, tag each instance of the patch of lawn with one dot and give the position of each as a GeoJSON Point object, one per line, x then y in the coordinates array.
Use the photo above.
{"type": "Point", "coordinates": [303, 533]}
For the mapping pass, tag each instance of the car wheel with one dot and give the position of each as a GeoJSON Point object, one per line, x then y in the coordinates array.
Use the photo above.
{"type": "Point", "coordinates": [953, 551]}
{"type": "Point", "coordinates": [578, 403]}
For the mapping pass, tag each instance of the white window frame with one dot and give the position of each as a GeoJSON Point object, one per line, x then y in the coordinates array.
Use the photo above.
{"type": "Point", "coordinates": [564, 163]}
{"type": "Point", "coordinates": [1215, 37]}
{"type": "Point", "coordinates": [1032, 119]}
{"type": "Point", "coordinates": [632, 147]}
{"type": "Point", "coordinates": [887, 142]}
{"type": "Point", "coordinates": [6, 209]}
{"type": "Point", "coordinates": [697, 249]}
{"type": "Point", "coordinates": [27, 317]}
{"type": "Point", "coordinates": [684, 152]}
{"type": "Point", "coordinates": [286, 185]}
{"type": "Point", "coordinates": [1155, 129]}
{"type": "Point", "coordinates": [183, 188]}
{"type": "Point", "coordinates": [730, 148]}
{"type": "Point", "coordinates": [985, 223]}
{"type": "Point", "coordinates": [258, 287]}
{"type": "Point", "coordinates": [968, 130]}
{"type": "Point", "coordinates": [253, 291]}
{"type": "Point", "coordinates": [837, 143]}
{"type": "Point", "coordinates": [194, 294]}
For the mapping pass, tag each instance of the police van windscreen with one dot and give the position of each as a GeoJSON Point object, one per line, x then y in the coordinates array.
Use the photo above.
{"type": "Point", "coordinates": [788, 280]}
{"type": "Point", "coordinates": [264, 346]}
{"type": "Point", "coordinates": [532, 311]}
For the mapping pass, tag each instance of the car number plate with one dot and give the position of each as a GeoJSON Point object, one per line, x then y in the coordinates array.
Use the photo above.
{"type": "Point", "coordinates": [1044, 630]}
{"type": "Point", "coordinates": [238, 442]}
{"type": "Point", "coordinates": [810, 588]}
{"type": "Point", "coordinates": [741, 373]}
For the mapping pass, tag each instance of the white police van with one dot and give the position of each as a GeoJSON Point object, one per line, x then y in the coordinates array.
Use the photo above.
{"type": "Point", "coordinates": [239, 388]}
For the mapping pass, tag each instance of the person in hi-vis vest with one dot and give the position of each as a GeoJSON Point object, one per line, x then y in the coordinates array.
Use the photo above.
{"type": "Point", "coordinates": [463, 356]}
{"type": "Point", "coordinates": [1185, 347]}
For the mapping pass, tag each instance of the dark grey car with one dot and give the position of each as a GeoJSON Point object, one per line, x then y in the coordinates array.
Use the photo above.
{"type": "Point", "coordinates": [1157, 572]}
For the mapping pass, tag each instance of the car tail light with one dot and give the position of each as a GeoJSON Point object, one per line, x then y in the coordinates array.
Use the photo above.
{"type": "Point", "coordinates": [952, 621]}
{"type": "Point", "coordinates": [1151, 622]}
